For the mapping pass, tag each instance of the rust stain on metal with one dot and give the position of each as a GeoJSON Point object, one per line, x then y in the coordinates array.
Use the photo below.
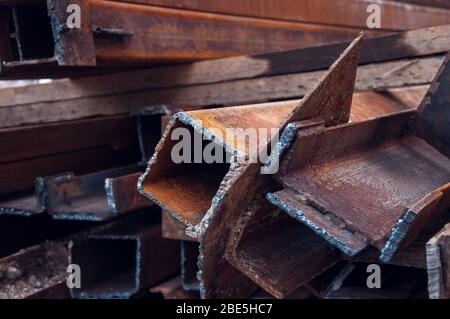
{"type": "Point", "coordinates": [279, 254]}
{"type": "Point", "coordinates": [129, 34]}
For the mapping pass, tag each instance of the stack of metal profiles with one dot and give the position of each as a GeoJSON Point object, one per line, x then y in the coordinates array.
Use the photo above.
{"type": "Point", "coordinates": [359, 176]}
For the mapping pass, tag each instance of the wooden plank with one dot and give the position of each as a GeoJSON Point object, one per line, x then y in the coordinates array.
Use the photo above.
{"type": "Point", "coordinates": [429, 3]}
{"type": "Point", "coordinates": [409, 44]}
{"type": "Point", "coordinates": [374, 76]}
{"type": "Point", "coordinates": [44, 140]}
{"type": "Point", "coordinates": [20, 175]}
{"type": "Point", "coordinates": [353, 13]}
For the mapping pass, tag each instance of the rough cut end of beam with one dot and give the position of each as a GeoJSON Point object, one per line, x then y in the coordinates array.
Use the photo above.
{"type": "Point", "coordinates": [186, 190]}
{"type": "Point", "coordinates": [347, 241]}
{"type": "Point", "coordinates": [398, 181]}
{"type": "Point", "coordinates": [408, 227]}
{"type": "Point", "coordinates": [438, 260]}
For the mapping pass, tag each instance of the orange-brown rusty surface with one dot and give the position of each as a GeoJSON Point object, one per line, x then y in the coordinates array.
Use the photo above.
{"type": "Point", "coordinates": [123, 196]}
{"type": "Point", "coordinates": [276, 252]}
{"type": "Point", "coordinates": [361, 179]}
{"type": "Point", "coordinates": [330, 102]}
{"type": "Point", "coordinates": [187, 190]}
{"type": "Point", "coordinates": [331, 12]}
{"type": "Point", "coordinates": [371, 104]}
{"type": "Point", "coordinates": [171, 34]}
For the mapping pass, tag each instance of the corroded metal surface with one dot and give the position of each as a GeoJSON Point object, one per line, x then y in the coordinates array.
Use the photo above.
{"type": "Point", "coordinates": [370, 183]}
{"type": "Point", "coordinates": [128, 34]}
{"type": "Point", "coordinates": [172, 228]}
{"type": "Point", "coordinates": [375, 183]}
{"type": "Point", "coordinates": [276, 252]}
{"type": "Point", "coordinates": [124, 259]}
{"type": "Point", "coordinates": [96, 197]}
{"type": "Point", "coordinates": [216, 205]}
{"type": "Point", "coordinates": [438, 258]}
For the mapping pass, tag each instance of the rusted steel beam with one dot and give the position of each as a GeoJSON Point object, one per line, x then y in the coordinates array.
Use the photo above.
{"type": "Point", "coordinates": [331, 201]}
{"type": "Point", "coordinates": [384, 48]}
{"type": "Point", "coordinates": [277, 253]}
{"type": "Point", "coordinates": [189, 265]}
{"type": "Point", "coordinates": [35, 273]}
{"type": "Point", "coordinates": [173, 192]}
{"type": "Point", "coordinates": [283, 264]}
{"type": "Point", "coordinates": [351, 13]}
{"type": "Point", "coordinates": [438, 261]}
{"type": "Point", "coordinates": [414, 255]}
{"type": "Point", "coordinates": [124, 259]}
{"type": "Point", "coordinates": [351, 210]}
{"type": "Point", "coordinates": [28, 202]}
{"type": "Point", "coordinates": [95, 197]}
{"type": "Point", "coordinates": [117, 34]}
{"type": "Point", "coordinates": [23, 204]}
{"type": "Point", "coordinates": [199, 196]}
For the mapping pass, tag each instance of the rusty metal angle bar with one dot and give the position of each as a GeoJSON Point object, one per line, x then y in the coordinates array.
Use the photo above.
{"type": "Point", "coordinates": [375, 183]}
{"type": "Point", "coordinates": [29, 202]}
{"type": "Point", "coordinates": [199, 201]}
